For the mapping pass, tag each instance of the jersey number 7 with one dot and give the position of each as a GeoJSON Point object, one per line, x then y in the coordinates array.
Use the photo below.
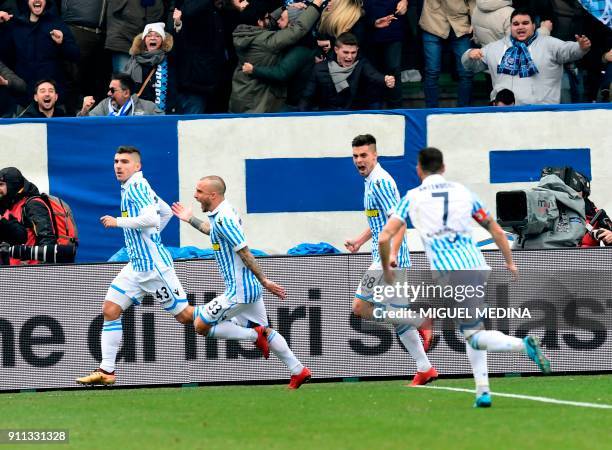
{"type": "Point", "coordinates": [444, 195]}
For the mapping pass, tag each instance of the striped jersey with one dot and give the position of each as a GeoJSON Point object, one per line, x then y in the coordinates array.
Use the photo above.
{"type": "Point", "coordinates": [144, 246]}
{"type": "Point", "coordinates": [380, 198]}
{"type": "Point", "coordinates": [442, 212]}
{"type": "Point", "coordinates": [227, 239]}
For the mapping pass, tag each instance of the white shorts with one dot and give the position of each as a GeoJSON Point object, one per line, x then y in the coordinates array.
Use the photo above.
{"type": "Point", "coordinates": [373, 278]}
{"type": "Point", "coordinates": [244, 314]}
{"type": "Point", "coordinates": [129, 287]}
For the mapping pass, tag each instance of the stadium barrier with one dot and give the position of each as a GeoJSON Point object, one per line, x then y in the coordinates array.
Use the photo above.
{"type": "Point", "coordinates": [50, 323]}
{"type": "Point", "coordinates": [291, 176]}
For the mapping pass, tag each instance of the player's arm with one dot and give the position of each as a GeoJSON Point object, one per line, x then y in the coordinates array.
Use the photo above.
{"type": "Point", "coordinates": [499, 236]}
{"type": "Point", "coordinates": [390, 232]}
{"type": "Point", "coordinates": [165, 214]}
{"type": "Point", "coordinates": [249, 261]}
{"type": "Point", "coordinates": [396, 243]}
{"type": "Point", "coordinates": [148, 217]}
{"type": "Point", "coordinates": [186, 215]}
{"type": "Point", "coordinates": [353, 245]}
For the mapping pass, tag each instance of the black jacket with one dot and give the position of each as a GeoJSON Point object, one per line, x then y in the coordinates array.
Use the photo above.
{"type": "Point", "coordinates": [36, 55]}
{"type": "Point", "coordinates": [365, 88]}
{"type": "Point", "coordinates": [35, 214]}
{"type": "Point", "coordinates": [199, 45]}
{"type": "Point", "coordinates": [85, 13]}
{"type": "Point", "coordinates": [32, 112]}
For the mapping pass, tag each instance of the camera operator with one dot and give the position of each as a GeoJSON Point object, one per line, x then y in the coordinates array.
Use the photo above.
{"type": "Point", "coordinates": [24, 218]}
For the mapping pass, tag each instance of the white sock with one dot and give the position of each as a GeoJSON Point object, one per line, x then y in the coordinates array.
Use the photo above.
{"type": "Point", "coordinates": [278, 346]}
{"type": "Point", "coordinates": [232, 332]}
{"type": "Point", "coordinates": [395, 315]}
{"type": "Point", "coordinates": [478, 361]}
{"type": "Point", "coordinates": [112, 332]}
{"type": "Point", "coordinates": [412, 342]}
{"type": "Point", "coordinates": [496, 341]}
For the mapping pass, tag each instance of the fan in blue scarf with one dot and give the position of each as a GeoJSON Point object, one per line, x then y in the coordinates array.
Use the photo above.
{"type": "Point", "coordinates": [517, 59]}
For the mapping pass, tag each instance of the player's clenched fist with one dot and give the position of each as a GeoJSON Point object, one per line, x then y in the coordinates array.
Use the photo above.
{"type": "Point", "coordinates": [108, 221]}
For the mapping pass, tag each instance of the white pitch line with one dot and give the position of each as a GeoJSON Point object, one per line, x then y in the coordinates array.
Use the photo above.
{"type": "Point", "coordinates": [527, 397]}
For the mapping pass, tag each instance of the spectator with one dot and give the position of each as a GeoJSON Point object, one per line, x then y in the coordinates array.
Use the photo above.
{"type": "Point", "coordinates": [40, 43]}
{"type": "Point", "coordinates": [120, 101]}
{"type": "Point", "coordinates": [11, 86]}
{"type": "Point", "coordinates": [343, 16]}
{"type": "Point", "coordinates": [295, 66]}
{"type": "Point", "coordinates": [343, 83]}
{"type": "Point", "coordinates": [528, 64]}
{"type": "Point", "coordinates": [445, 21]}
{"type": "Point", "coordinates": [124, 20]}
{"type": "Point", "coordinates": [152, 68]}
{"type": "Point", "coordinates": [87, 22]}
{"type": "Point", "coordinates": [505, 97]}
{"type": "Point", "coordinates": [386, 17]}
{"type": "Point", "coordinates": [255, 43]}
{"type": "Point", "coordinates": [491, 21]}
{"type": "Point", "coordinates": [43, 106]}
{"type": "Point", "coordinates": [198, 28]}
{"type": "Point", "coordinates": [23, 221]}
{"type": "Point", "coordinates": [599, 225]}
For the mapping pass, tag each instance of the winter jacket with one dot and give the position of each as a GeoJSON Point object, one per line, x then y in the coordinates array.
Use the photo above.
{"type": "Point", "coordinates": [320, 93]}
{"type": "Point", "coordinates": [85, 13]}
{"type": "Point", "coordinates": [151, 91]}
{"type": "Point", "coordinates": [262, 47]}
{"type": "Point", "coordinates": [198, 45]}
{"type": "Point", "coordinates": [127, 18]}
{"type": "Point", "coordinates": [35, 53]}
{"type": "Point", "coordinates": [141, 108]}
{"type": "Point", "coordinates": [293, 69]}
{"type": "Point", "coordinates": [16, 85]}
{"type": "Point", "coordinates": [548, 53]}
{"type": "Point", "coordinates": [24, 221]}
{"type": "Point", "coordinates": [32, 112]}
{"type": "Point", "coordinates": [439, 16]}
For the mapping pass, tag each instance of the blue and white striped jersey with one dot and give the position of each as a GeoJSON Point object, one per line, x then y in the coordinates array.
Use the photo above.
{"type": "Point", "coordinates": [380, 198]}
{"type": "Point", "coordinates": [144, 245]}
{"type": "Point", "coordinates": [442, 212]}
{"type": "Point", "coordinates": [227, 239]}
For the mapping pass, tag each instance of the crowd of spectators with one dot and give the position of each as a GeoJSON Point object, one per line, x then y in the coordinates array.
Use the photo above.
{"type": "Point", "coordinates": [136, 57]}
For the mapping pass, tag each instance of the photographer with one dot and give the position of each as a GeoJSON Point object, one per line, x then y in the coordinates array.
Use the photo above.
{"type": "Point", "coordinates": [599, 226]}
{"type": "Point", "coordinates": [25, 218]}
{"type": "Point", "coordinates": [551, 215]}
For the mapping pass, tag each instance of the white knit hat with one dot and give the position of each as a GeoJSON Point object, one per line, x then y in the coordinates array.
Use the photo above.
{"type": "Point", "coordinates": [158, 27]}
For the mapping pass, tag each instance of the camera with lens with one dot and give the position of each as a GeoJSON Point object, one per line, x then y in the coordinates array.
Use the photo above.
{"type": "Point", "coordinates": [551, 215]}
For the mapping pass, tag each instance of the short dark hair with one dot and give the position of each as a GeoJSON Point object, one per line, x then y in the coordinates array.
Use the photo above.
{"type": "Point", "coordinates": [45, 80]}
{"type": "Point", "coordinates": [505, 96]}
{"type": "Point", "coordinates": [364, 139]}
{"type": "Point", "coordinates": [346, 39]}
{"type": "Point", "coordinates": [130, 150]}
{"type": "Point", "coordinates": [125, 80]}
{"type": "Point", "coordinates": [522, 12]}
{"type": "Point", "coordinates": [431, 160]}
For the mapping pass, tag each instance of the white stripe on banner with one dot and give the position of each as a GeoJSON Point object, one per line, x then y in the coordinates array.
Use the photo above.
{"type": "Point", "coordinates": [467, 157]}
{"type": "Point", "coordinates": [24, 145]}
{"type": "Point", "coordinates": [220, 146]}
{"type": "Point", "coordinates": [527, 397]}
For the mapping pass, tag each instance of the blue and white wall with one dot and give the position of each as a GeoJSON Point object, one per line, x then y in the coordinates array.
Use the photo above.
{"type": "Point", "coordinates": [291, 176]}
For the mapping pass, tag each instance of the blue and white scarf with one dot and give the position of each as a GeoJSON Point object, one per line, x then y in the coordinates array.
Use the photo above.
{"type": "Point", "coordinates": [125, 110]}
{"type": "Point", "coordinates": [161, 85]}
{"type": "Point", "coordinates": [517, 59]}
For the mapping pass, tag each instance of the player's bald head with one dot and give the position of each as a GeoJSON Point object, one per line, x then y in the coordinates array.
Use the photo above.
{"type": "Point", "coordinates": [214, 183]}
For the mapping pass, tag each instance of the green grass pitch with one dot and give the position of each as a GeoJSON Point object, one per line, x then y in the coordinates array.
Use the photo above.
{"type": "Point", "coordinates": [358, 415]}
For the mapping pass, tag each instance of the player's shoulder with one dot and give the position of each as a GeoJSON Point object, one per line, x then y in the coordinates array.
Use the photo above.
{"type": "Point", "coordinates": [226, 214]}
{"type": "Point", "coordinates": [381, 179]}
